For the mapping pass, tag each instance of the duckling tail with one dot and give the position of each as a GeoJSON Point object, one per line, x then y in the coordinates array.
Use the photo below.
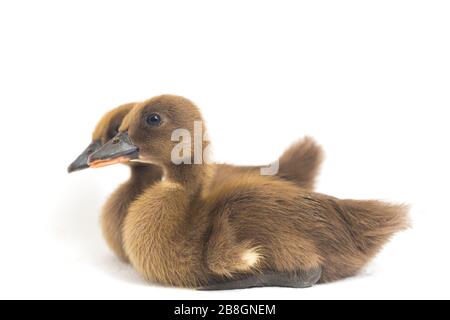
{"type": "Point", "coordinates": [367, 227]}
{"type": "Point", "coordinates": [376, 221]}
{"type": "Point", "coordinates": [301, 163]}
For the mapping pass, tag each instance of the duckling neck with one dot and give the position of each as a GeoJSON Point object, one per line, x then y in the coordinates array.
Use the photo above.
{"type": "Point", "coordinates": [190, 176]}
{"type": "Point", "coordinates": [145, 175]}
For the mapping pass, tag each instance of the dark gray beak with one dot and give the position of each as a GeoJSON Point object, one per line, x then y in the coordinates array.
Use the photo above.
{"type": "Point", "coordinates": [117, 150]}
{"type": "Point", "coordinates": [81, 162]}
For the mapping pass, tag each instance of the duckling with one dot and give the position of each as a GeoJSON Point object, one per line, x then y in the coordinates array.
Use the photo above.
{"type": "Point", "coordinates": [300, 164]}
{"type": "Point", "coordinates": [142, 176]}
{"type": "Point", "coordinates": [252, 231]}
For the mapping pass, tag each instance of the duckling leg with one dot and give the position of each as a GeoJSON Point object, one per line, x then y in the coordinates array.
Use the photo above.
{"type": "Point", "coordinates": [298, 279]}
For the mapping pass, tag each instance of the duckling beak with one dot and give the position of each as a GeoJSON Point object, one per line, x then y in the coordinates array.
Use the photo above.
{"type": "Point", "coordinates": [118, 150]}
{"type": "Point", "coordinates": [81, 162]}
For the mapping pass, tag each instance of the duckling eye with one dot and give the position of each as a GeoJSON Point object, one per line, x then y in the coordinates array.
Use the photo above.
{"type": "Point", "coordinates": [154, 119]}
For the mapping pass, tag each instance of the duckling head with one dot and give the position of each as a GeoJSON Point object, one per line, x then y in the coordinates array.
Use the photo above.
{"type": "Point", "coordinates": [147, 133]}
{"type": "Point", "coordinates": [106, 129]}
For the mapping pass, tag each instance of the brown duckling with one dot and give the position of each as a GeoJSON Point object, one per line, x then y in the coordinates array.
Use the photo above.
{"type": "Point", "coordinates": [300, 164]}
{"type": "Point", "coordinates": [252, 231]}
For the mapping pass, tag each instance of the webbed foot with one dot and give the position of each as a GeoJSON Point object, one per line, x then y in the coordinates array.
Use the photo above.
{"type": "Point", "coordinates": [297, 279]}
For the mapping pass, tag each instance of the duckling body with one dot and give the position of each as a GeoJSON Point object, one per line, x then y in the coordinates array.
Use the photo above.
{"type": "Point", "coordinates": [248, 229]}
{"type": "Point", "coordinates": [253, 225]}
{"type": "Point", "coordinates": [300, 164]}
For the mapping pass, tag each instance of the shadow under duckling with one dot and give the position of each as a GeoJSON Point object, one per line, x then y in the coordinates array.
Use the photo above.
{"type": "Point", "coordinates": [253, 227]}
{"type": "Point", "coordinates": [300, 164]}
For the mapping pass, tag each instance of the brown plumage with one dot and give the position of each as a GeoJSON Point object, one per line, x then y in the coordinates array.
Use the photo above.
{"type": "Point", "coordinates": [300, 164]}
{"type": "Point", "coordinates": [141, 177]}
{"type": "Point", "coordinates": [116, 207]}
{"type": "Point", "coordinates": [248, 226]}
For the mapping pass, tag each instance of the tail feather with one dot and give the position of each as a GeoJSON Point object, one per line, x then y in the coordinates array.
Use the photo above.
{"type": "Point", "coordinates": [375, 221]}
{"type": "Point", "coordinates": [301, 163]}
{"type": "Point", "coordinates": [366, 226]}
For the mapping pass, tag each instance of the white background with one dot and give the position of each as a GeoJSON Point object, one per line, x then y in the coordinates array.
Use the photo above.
{"type": "Point", "coordinates": [369, 80]}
